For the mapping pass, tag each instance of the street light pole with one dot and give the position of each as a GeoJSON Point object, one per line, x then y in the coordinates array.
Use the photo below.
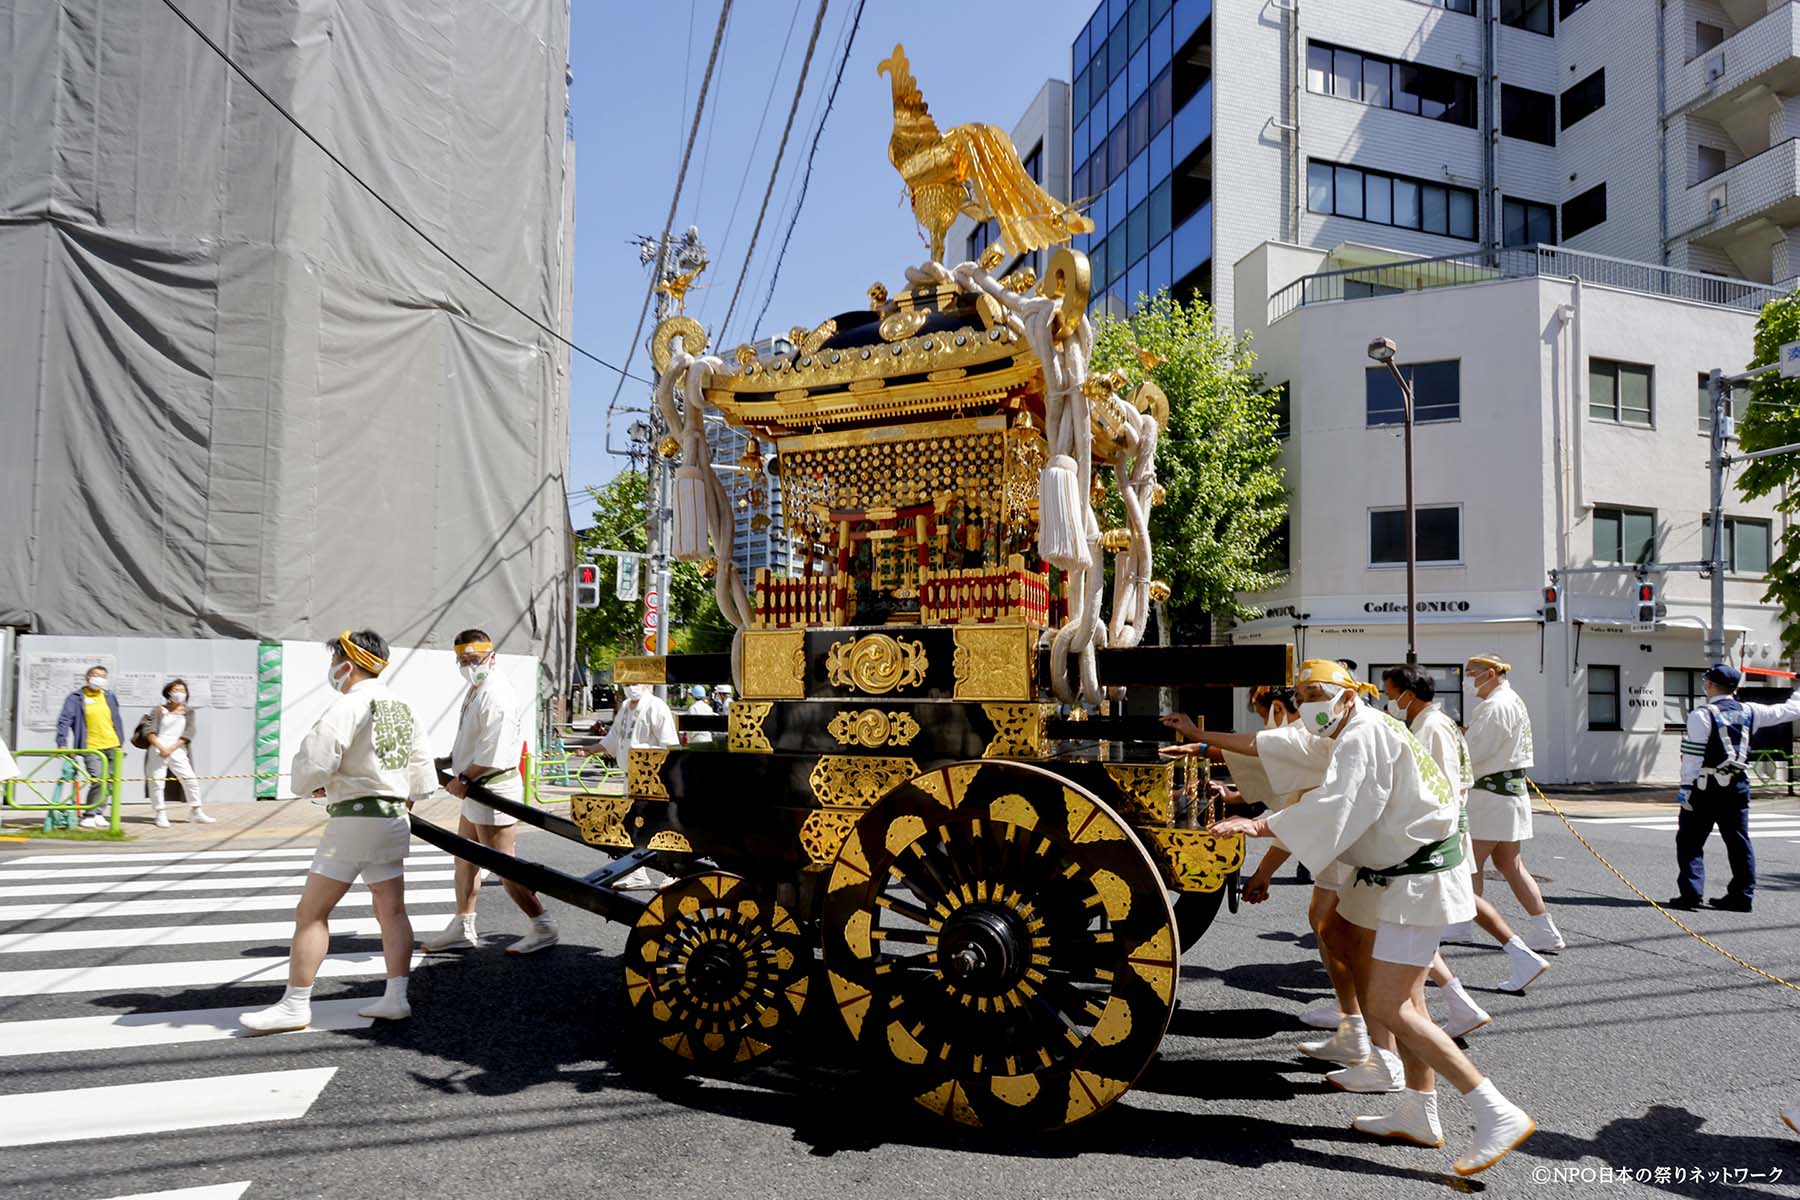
{"type": "Point", "coordinates": [1383, 350]}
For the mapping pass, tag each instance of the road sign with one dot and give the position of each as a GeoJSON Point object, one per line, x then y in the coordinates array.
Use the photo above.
{"type": "Point", "coordinates": [1790, 360]}
{"type": "Point", "coordinates": [650, 643]}
{"type": "Point", "coordinates": [625, 584]}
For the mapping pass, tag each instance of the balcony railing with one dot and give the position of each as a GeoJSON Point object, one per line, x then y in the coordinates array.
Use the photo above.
{"type": "Point", "coordinates": [1519, 262]}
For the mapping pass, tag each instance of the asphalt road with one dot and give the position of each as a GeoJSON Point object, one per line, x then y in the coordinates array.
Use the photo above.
{"type": "Point", "coordinates": [1641, 1049]}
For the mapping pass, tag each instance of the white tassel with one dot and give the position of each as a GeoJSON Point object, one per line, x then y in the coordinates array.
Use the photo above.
{"type": "Point", "coordinates": [690, 514]}
{"type": "Point", "coordinates": [1062, 529]}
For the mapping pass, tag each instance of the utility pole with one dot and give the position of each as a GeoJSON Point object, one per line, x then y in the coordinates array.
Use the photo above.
{"type": "Point", "coordinates": [1718, 391]}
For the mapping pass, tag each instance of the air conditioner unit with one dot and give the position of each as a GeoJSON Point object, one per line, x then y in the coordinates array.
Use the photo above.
{"type": "Point", "coordinates": [1715, 68]}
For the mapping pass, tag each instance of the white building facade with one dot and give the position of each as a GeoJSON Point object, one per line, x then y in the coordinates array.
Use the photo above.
{"type": "Point", "coordinates": [1560, 425]}
{"type": "Point", "coordinates": [1041, 136]}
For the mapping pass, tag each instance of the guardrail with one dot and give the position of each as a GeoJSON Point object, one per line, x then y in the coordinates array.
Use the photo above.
{"type": "Point", "coordinates": [1772, 770]}
{"type": "Point", "coordinates": [72, 776]}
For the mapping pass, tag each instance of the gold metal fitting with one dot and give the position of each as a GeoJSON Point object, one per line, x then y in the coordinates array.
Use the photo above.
{"type": "Point", "coordinates": [1097, 491]}
{"type": "Point", "coordinates": [1150, 358]}
{"type": "Point", "coordinates": [1021, 280]}
{"type": "Point", "coordinates": [745, 355]}
{"type": "Point", "coordinates": [992, 257]}
{"type": "Point", "coordinates": [709, 568]}
{"type": "Point", "coordinates": [1096, 387]}
{"type": "Point", "coordinates": [1157, 494]}
{"type": "Point", "coordinates": [669, 447]}
{"type": "Point", "coordinates": [1115, 541]}
{"type": "Point", "coordinates": [1159, 591]}
{"type": "Point", "coordinates": [878, 295]}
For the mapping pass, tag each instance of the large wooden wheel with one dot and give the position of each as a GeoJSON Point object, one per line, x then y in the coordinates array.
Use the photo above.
{"type": "Point", "coordinates": [998, 941]}
{"type": "Point", "coordinates": [715, 972]}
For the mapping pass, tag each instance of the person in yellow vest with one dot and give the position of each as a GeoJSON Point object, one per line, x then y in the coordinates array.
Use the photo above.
{"type": "Point", "coordinates": [90, 722]}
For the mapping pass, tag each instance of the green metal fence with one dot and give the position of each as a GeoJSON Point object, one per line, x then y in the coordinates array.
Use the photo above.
{"type": "Point", "coordinates": [49, 775]}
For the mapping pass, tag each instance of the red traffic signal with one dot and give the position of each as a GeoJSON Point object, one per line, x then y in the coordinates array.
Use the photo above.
{"type": "Point", "coordinates": [1646, 602]}
{"type": "Point", "coordinates": [587, 585]}
{"type": "Point", "coordinates": [1552, 610]}
{"type": "Point", "coordinates": [587, 573]}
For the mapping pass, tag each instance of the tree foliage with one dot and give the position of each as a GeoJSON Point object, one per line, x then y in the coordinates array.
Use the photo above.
{"type": "Point", "coordinates": [617, 626]}
{"type": "Point", "coordinates": [1773, 419]}
{"type": "Point", "coordinates": [1217, 460]}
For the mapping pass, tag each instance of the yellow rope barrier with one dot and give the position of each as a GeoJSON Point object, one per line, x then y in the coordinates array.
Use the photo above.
{"type": "Point", "coordinates": [1677, 921]}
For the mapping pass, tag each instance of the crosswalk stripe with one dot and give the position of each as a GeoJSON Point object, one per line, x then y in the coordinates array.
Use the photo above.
{"type": "Point", "coordinates": [65, 941]}
{"type": "Point", "coordinates": [1768, 830]}
{"type": "Point", "coordinates": [209, 1191]}
{"type": "Point", "coordinates": [129, 1031]}
{"type": "Point", "coordinates": [214, 972]}
{"type": "Point", "coordinates": [170, 906]}
{"type": "Point", "coordinates": [133, 856]}
{"type": "Point", "coordinates": [129, 1109]}
{"type": "Point", "coordinates": [120, 887]}
{"type": "Point", "coordinates": [164, 870]}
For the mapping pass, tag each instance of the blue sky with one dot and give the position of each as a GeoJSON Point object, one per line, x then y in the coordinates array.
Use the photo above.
{"type": "Point", "coordinates": [637, 72]}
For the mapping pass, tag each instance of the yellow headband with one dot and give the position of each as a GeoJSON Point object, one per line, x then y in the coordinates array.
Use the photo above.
{"type": "Point", "coordinates": [1325, 670]}
{"type": "Point", "coordinates": [1493, 661]}
{"type": "Point", "coordinates": [474, 647]}
{"type": "Point", "coordinates": [1367, 689]}
{"type": "Point", "coordinates": [359, 656]}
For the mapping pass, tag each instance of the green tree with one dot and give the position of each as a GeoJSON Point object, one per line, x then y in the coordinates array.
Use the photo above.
{"type": "Point", "coordinates": [617, 626]}
{"type": "Point", "coordinates": [1773, 419]}
{"type": "Point", "coordinates": [1217, 460]}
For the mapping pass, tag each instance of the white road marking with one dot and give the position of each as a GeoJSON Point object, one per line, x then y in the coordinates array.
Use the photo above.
{"type": "Point", "coordinates": [132, 1109]}
{"type": "Point", "coordinates": [73, 909]}
{"type": "Point", "coordinates": [120, 887]}
{"type": "Point", "coordinates": [206, 972]}
{"type": "Point", "coordinates": [99, 875]}
{"type": "Point", "coordinates": [211, 1191]}
{"type": "Point", "coordinates": [115, 938]}
{"type": "Point", "coordinates": [131, 856]}
{"type": "Point", "coordinates": [125, 1031]}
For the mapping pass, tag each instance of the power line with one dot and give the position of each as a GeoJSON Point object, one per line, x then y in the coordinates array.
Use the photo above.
{"type": "Point", "coordinates": [775, 170]}
{"type": "Point", "coordinates": [662, 248]}
{"type": "Point", "coordinates": [855, 23]}
{"type": "Point", "coordinates": [383, 200]}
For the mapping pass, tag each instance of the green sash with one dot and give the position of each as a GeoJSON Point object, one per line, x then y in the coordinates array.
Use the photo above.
{"type": "Point", "coordinates": [1504, 783]}
{"type": "Point", "coordinates": [367, 806]}
{"type": "Point", "coordinates": [1426, 860]}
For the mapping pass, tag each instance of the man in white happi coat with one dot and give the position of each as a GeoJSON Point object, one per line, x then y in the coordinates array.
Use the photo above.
{"type": "Point", "coordinates": [1499, 741]}
{"type": "Point", "coordinates": [1386, 811]}
{"type": "Point", "coordinates": [643, 721]}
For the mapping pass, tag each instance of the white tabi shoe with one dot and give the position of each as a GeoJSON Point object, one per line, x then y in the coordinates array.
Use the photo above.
{"type": "Point", "coordinates": [1464, 1019]}
{"type": "Point", "coordinates": [1500, 1125]}
{"type": "Point", "coordinates": [198, 816]}
{"type": "Point", "coordinates": [1414, 1121]}
{"type": "Point", "coordinates": [1543, 936]}
{"type": "Point", "coordinates": [162, 819]}
{"type": "Point", "coordinates": [543, 933]}
{"type": "Point", "coordinates": [1527, 965]}
{"type": "Point", "coordinates": [1322, 1016]}
{"type": "Point", "coordinates": [639, 880]}
{"type": "Point", "coordinates": [94, 821]}
{"type": "Point", "coordinates": [1790, 1116]}
{"type": "Point", "coordinates": [459, 934]}
{"type": "Point", "coordinates": [292, 1012]}
{"type": "Point", "coordinates": [1378, 1073]}
{"type": "Point", "coordinates": [392, 1005]}
{"type": "Point", "coordinates": [1347, 1047]}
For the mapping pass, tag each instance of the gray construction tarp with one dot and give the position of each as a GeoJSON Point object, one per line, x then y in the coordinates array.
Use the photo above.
{"type": "Point", "coordinates": [238, 398]}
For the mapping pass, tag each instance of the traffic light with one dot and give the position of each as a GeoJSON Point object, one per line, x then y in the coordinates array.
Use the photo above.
{"type": "Point", "coordinates": [1646, 602]}
{"type": "Point", "coordinates": [587, 585]}
{"type": "Point", "coordinates": [1552, 610]}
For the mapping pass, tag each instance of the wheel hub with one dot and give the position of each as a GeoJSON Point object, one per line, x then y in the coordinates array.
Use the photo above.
{"type": "Point", "coordinates": [715, 973]}
{"type": "Point", "coordinates": [983, 948]}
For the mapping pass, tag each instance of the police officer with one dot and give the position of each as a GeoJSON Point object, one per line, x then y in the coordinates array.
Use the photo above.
{"type": "Point", "coordinates": [1715, 788]}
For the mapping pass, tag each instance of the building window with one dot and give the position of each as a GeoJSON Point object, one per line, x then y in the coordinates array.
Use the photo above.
{"type": "Point", "coordinates": [1530, 15]}
{"type": "Point", "coordinates": [1619, 392]}
{"type": "Point", "coordinates": [1383, 199]}
{"type": "Point", "coordinates": [1437, 536]}
{"type": "Point", "coordinates": [1430, 92]}
{"type": "Point", "coordinates": [1746, 544]}
{"type": "Point", "coordinates": [1447, 676]}
{"type": "Point", "coordinates": [1570, 7]}
{"type": "Point", "coordinates": [1284, 412]}
{"type": "Point", "coordinates": [985, 235]}
{"type": "Point", "coordinates": [1706, 407]}
{"type": "Point", "coordinates": [1466, 7]}
{"type": "Point", "coordinates": [1584, 211]}
{"type": "Point", "coordinates": [1624, 535]}
{"type": "Point", "coordinates": [1527, 115]}
{"type": "Point", "coordinates": [1584, 99]}
{"type": "Point", "coordinates": [1276, 551]}
{"type": "Point", "coordinates": [1711, 161]}
{"type": "Point", "coordinates": [1707, 36]}
{"type": "Point", "coordinates": [1603, 698]}
{"type": "Point", "coordinates": [1034, 163]}
{"type": "Point", "coordinates": [1437, 393]}
{"type": "Point", "coordinates": [1682, 694]}
{"type": "Point", "coordinates": [1527, 223]}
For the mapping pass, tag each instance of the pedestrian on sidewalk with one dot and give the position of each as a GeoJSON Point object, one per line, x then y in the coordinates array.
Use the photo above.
{"type": "Point", "coordinates": [489, 734]}
{"type": "Point", "coordinates": [1499, 741]}
{"type": "Point", "coordinates": [89, 722]}
{"type": "Point", "coordinates": [1715, 788]}
{"type": "Point", "coordinates": [367, 758]}
{"type": "Point", "coordinates": [169, 729]}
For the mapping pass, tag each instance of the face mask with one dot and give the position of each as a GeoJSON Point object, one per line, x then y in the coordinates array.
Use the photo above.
{"type": "Point", "coordinates": [178, 697]}
{"type": "Point", "coordinates": [476, 673]}
{"type": "Point", "coordinates": [1396, 709]}
{"type": "Point", "coordinates": [1317, 716]}
{"type": "Point", "coordinates": [97, 682]}
{"type": "Point", "coordinates": [338, 676]}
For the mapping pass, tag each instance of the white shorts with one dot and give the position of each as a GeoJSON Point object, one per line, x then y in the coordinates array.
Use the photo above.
{"type": "Point", "coordinates": [372, 847]}
{"type": "Point", "coordinates": [1498, 818]}
{"type": "Point", "coordinates": [1411, 945]}
{"type": "Point", "coordinates": [1334, 878]}
{"type": "Point", "coordinates": [508, 787]}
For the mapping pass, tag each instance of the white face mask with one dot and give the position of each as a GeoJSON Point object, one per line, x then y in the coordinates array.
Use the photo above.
{"type": "Point", "coordinates": [338, 676]}
{"type": "Point", "coordinates": [476, 673]}
{"type": "Point", "coordinates": [97, 682]}
{"type": "Point", "coordinates": [178, 697]}
{"type": "Point", "coordinates": [1396, 709]}
{"type": "Point", "coordinates": [1318, 716]}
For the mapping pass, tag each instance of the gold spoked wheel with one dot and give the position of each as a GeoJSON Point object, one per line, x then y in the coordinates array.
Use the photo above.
{"type": "Point", "coordinates": [998, 940]}
{"type": "Point", "coordinates": [715, 971]}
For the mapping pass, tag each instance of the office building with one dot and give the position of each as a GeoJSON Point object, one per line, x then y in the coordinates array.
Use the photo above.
{"type": "Point", "coordinates": [1041, 137]}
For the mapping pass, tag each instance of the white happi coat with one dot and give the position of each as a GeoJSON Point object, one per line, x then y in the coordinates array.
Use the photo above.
{"type": "Point", "coordinates": [1499, 739]}
{"type": "Point", "coordinates": [1382, 799]}
{"type": "Point", "coordinates": [1444, 742]}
